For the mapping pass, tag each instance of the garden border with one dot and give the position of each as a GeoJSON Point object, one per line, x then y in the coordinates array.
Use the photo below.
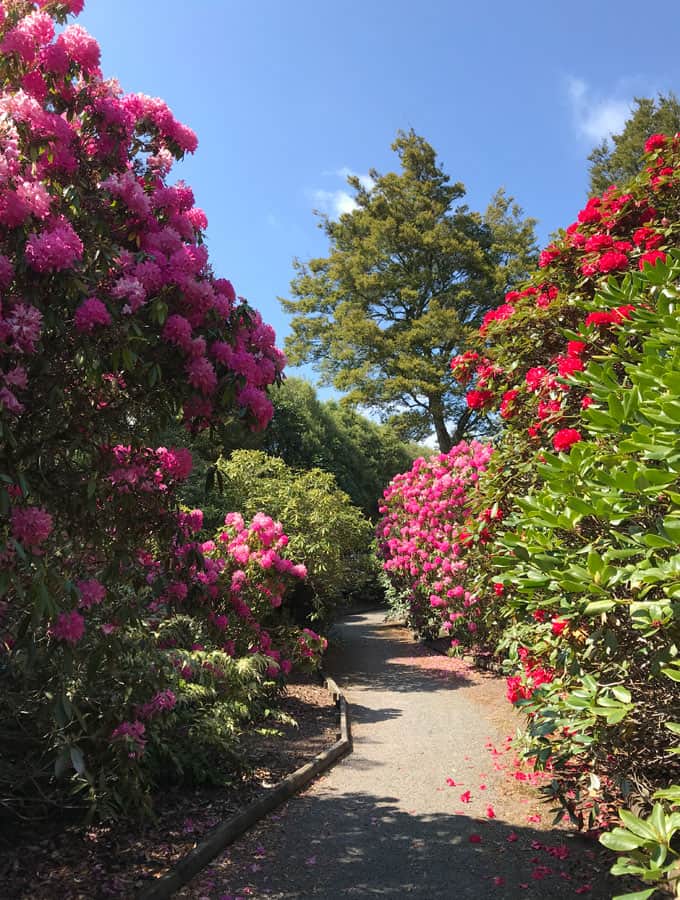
{"type": "Point", "coordinates": [231, 829]}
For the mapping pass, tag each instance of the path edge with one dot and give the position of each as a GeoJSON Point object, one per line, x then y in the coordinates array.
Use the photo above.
{"type": "Point", "coordinates": [232, 828]}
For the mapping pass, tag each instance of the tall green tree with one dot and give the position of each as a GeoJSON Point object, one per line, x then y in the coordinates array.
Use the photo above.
{"type": "Point", "coordinates": [307, 433]}
{"type": "Point", "coordinates": [409, 275]}
{"type": "Point", "coordinates": [618, 162]}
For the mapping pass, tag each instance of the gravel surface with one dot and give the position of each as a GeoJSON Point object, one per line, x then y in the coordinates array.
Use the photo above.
{"type": "Point", "coordinates": [385, 822]}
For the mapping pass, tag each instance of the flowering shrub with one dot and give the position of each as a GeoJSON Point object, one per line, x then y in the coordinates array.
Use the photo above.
{"type": "Point", "coordinates": [327, 534]}
{"type": "Point", "coordinates": [586, 570]}
{"type": "Point", "coordinates": [423, 536]}
{"type": "Point", "coordinates": [113, 327]}
{"type": "Point", "coordinates": [592, 571]}
{"type": "Point", "coordinates": [576, 580]}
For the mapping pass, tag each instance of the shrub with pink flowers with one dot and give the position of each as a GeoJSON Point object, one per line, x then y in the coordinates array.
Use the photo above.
{"type": "Point", "coordinates": [121, 633]}
{"type": "Point", "coordinates": [423, 537]}
{"type": "Point", "coordinates": [576, 576]}
{"type": "Point", "coordinates": [585, 561]}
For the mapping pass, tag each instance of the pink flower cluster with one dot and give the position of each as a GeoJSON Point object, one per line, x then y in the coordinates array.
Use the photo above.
{"type": "Point", "coordinates": [237, 583]}
{"type": "Point", "coordinates": [145, 470]}
{"type": "Point", "coordinates": [425, 529]}
{"type": "Point", "coordinates": [132, 736]}
{"type": "Point", "coordinates": [163, 701]}
{"type": "Point", "coordinates": [31, 526]}
{"type": "Point", "coordinates": [69, 627]}
{"type": "Point", "coordinates": [155, 230]}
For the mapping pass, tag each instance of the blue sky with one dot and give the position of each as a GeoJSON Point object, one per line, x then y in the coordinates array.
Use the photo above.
{"type": "Point", "coordinates": [286, 96]}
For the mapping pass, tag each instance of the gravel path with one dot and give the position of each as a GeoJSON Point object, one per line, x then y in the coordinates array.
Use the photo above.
{"type": "Point", "coordinates": [384, 822]}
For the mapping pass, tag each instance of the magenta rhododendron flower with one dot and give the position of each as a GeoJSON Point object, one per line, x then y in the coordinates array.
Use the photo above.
{"type": "Point", "coordinates": [91, 314]}
{"type": "Point", "coordinates": [131, 734]}
{"type": "Point", "coordinates": [655, 142]}
{"type": "Point", "coordinates": [478, 399]}
{"type": "Point", "coordinates": [557, 626]}
{"type": "Point", "coordinates": [507, 406]}
{"type": "Point", "coordinates": [69, 627]}
{"type": "Point", "coordinates": [31, 525]}
{"type": "Point", "coordinates": [612, 261]}
{"type": "Point", "coordinates": [58, 247]}
{"type": "Point", "coordinates": [610, 317]}
{"type": "Point", "coordinates": [92, 592]}
{"type": "Point", "coordinates": [651, 257]}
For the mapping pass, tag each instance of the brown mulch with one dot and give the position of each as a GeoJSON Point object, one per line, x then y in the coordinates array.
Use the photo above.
{"type": "Point", "coordinates": [64, 861]}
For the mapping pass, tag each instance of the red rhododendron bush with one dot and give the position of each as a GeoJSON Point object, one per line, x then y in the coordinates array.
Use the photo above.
{"type": "Point", "coordinates": [129, 649]}
{"type": "Point", "coordinates": [576, 578]}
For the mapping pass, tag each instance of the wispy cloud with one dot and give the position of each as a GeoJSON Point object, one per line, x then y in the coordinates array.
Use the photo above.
{"type": "Point", "coordinates": [333, 203]}
{"type": "Point", "coordinates": [336, 202]}
{"type": "Point", "coordinates": [595, 116]}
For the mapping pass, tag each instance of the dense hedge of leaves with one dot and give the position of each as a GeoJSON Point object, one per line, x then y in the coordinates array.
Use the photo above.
{"type": "Point", "coordinates": [574, 568]}
{"type": "Point", "coordinates": [130, 650]}
{"type": "Point", "coordinates": [330, 536]}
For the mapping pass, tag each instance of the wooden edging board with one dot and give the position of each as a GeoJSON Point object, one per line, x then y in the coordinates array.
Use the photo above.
{"type": "Point", "coordinates": [226, 832]}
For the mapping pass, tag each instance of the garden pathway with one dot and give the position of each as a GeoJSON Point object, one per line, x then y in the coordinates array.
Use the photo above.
{"type": "Point", "coordinates": [384, 822]}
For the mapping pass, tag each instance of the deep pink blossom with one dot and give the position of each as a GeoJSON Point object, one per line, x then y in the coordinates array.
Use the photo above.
{"type": "Point", "coordinates": [91, 314]}
{"type": "Point", "coordinates": [31, 525]}
{"type": "Point", "coordinates": [92, 592]}
{"type": "Point", "coordinates": [69, 627]}
{"type": "Point", "coordinates": [57, 247]}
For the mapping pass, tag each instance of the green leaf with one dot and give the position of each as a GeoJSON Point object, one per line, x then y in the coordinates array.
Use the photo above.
{"type": "Point", "coordinates": [636, 895]}
{"type": "Point", "coordinates": [621, 840]}
{"type": "Point", "coordinates": [78, 760]}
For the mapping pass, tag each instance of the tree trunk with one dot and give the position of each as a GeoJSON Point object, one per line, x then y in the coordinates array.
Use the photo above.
{"type": "Point", "coordinates": [444, 439]}
{"type": "Point", "coordinates": [442, 432]}
{"type": "Point", "coordinates": [461, 427]}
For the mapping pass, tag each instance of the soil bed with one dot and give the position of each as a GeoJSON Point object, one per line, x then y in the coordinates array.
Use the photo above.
{"type": "Point", "coordinates": [70, 862]}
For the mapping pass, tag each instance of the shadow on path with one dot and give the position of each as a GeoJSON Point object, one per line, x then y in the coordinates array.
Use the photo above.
{"type": "Point", "coordinates": [377, 656]}
{"type": "Point", "coordinates": [349, 846]}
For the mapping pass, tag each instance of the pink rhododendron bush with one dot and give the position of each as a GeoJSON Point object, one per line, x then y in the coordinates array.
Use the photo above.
{"type": "Point", "coordinates": [423, 536]}
{"type": "Point", "coordinates": [575, 577]}
{"type": "Point", "coordinates": [130, 650]}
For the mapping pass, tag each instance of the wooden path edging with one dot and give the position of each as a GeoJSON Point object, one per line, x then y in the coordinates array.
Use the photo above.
{"type": "Point", "coordinates": [229, 830]}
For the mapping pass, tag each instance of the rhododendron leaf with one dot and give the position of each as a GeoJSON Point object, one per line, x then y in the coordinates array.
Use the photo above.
{"type": "Point", "coordinates": [637, 825]}
{"type": "Point", "coordinates": [78, 760]}
{"type": "Point", "coordinates": [671, 525]}
{"type": "Point", "coordinates": [673, 674]}
{"type": "Point", "coordinates": [621, 840]}
{"type": "Point", "coordinates": [621, 694]}
{"type": "Point", "coordinates": [62, 763]}
{"type": "Point", "coordinates": [636, 895]}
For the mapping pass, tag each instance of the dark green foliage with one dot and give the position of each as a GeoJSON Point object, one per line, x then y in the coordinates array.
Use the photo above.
{"type": "Point", "coordinates": [409, 275]}
{"type": "Point", "coordinates": [327, 533]}
{"type": "Point", "coordinates": [619, 163]}
{"type": "Point", "coordinates": [309, 433]}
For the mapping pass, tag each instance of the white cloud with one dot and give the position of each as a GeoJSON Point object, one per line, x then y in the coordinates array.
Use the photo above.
{"type": "Point", "coordinates": [365, 181]}
{"type": "Point", "coordinates": [335, 203]}
{"type": "Point", "coordinates": [596, 117]}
